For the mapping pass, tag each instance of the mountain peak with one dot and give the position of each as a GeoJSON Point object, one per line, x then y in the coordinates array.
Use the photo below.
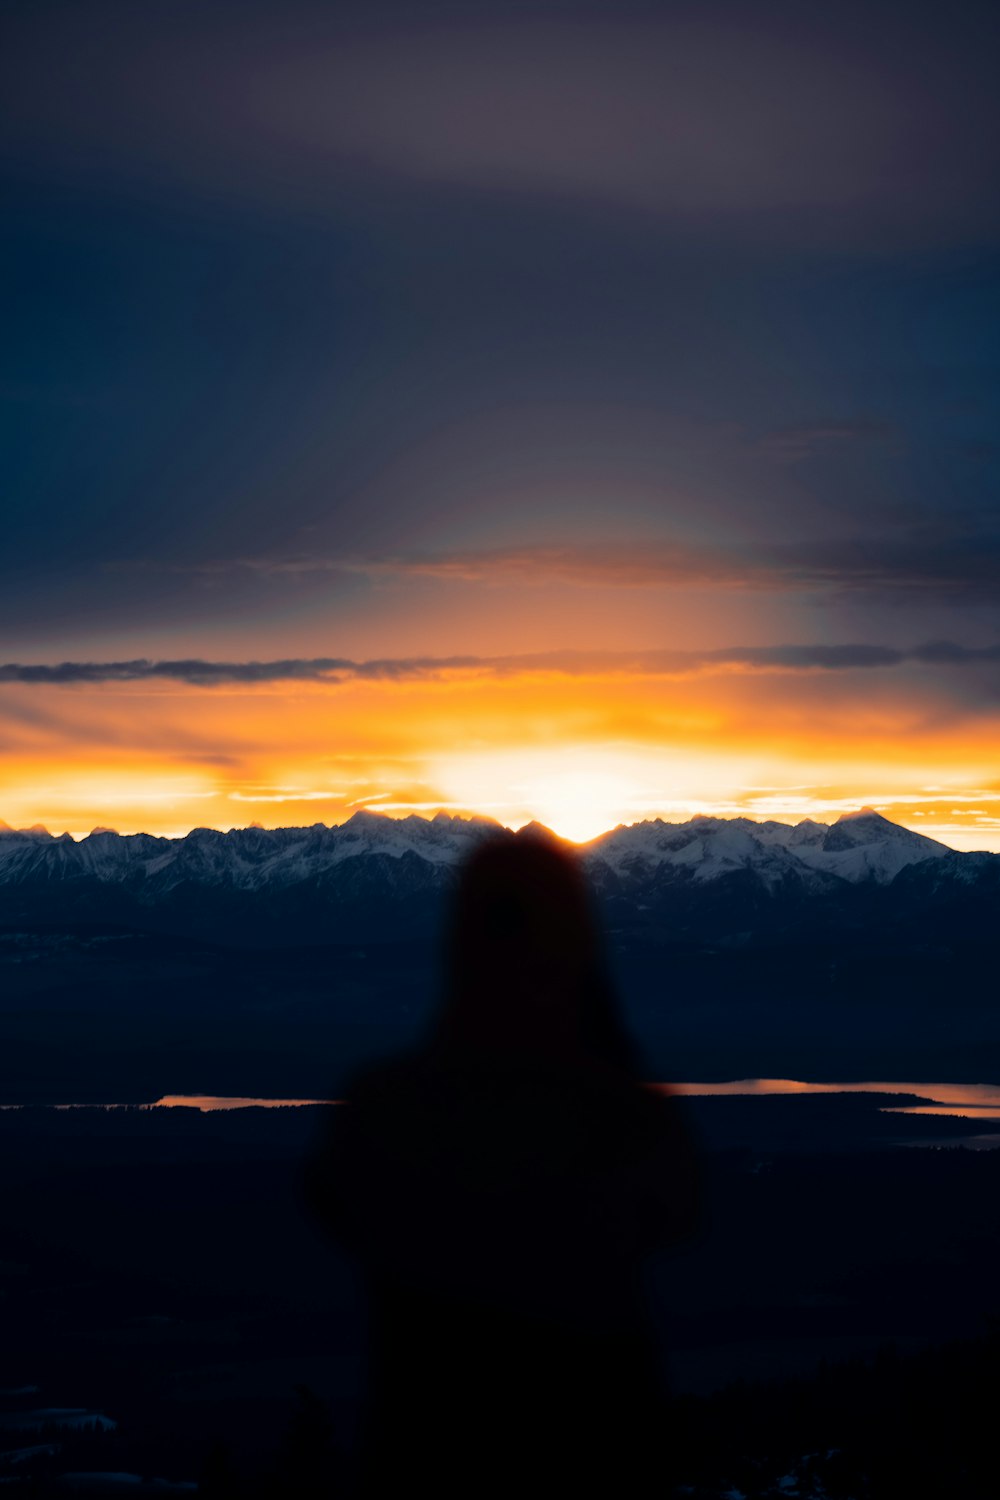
{"type": "Point", "coordinates": [536, 830]}
{"type": "Point", "coordinates": [877, 846]}
{"type": "Point", "coordinates": [365, 817]}
{"type": "Point", "coordinates": [866, 824]}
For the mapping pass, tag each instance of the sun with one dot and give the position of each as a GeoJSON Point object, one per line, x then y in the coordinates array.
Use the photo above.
{"type": "Point", "coordinates": [578, 792]}
{"type": "Point", "coordinates": [578, 804]}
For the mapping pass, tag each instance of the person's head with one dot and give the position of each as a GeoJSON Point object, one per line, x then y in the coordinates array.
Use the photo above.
{"type": "Point", "coordinates": [526, 971]}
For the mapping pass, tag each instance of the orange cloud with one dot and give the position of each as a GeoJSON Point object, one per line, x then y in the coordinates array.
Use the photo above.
{"type": "Point", "coordinates": [577, 748]}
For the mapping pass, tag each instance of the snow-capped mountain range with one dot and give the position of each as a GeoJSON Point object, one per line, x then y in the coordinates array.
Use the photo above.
{"type": "Point", "coordinates": [859, 846]}
{"type": "Point", "coordinates": [376, 876]}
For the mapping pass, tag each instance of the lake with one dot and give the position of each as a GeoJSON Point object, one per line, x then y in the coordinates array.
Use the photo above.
{"type": "Point", "coordinates": [974, 1101]}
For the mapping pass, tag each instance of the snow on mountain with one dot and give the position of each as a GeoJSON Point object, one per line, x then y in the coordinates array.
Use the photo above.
{"type": "Point", "coordinates": [859, 846]}
{"type": "Point", "coordinates": [864, 845]}
{"type": "Point", "coordinates": [242, 859]}
{"type": "Point", "coordinates": [703, 848]}
{"type": "Point", "coordinates": [377, 878]}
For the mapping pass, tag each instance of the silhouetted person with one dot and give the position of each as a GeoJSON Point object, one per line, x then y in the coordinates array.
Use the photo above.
{"type": "Point", "coordinates": [502, 1188]}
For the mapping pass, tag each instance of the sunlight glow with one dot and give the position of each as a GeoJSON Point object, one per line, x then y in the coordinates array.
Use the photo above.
{"type": "Point", "coordinates": [579, 753]}
{"type": "Point", "coordinates": [580, 804]}
{"type": "Point", "coordinates": [577, 791]}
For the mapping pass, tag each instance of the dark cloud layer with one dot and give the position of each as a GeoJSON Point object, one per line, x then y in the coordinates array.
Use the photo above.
{"type": "Point", "coordinates": [936, 565]}
{"type": "Point", "coordinates": [334, 670]}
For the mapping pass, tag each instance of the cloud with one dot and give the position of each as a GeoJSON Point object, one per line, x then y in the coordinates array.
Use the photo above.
{"type": "Point", "coordinates": [947, 654]}
{"type": "Point", "coordinates": [928, 562]}
{"type": "Point", "coordinates": [209, 673]}
{"type": "Point", "coordinates": [337, 670]}
{"type": "Point", "coordinates": [626, 564]}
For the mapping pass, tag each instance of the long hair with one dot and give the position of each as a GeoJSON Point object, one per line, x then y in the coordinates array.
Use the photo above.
{"type": "Point", "coordinates": [526, 973]}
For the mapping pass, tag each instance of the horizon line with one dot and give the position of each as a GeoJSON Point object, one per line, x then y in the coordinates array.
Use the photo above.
{"type": "Point", "coordinates": [463, 816]}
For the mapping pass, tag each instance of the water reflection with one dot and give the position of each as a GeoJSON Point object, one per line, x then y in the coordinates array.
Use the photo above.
{"type": "Point", "coordinates": [208, 1102]}
{"type": "Point", "coordinates": [974, 1101]}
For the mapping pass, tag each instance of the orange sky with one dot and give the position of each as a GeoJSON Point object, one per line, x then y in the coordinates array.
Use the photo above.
{"type": "Point", "coordinates": [582, 749]}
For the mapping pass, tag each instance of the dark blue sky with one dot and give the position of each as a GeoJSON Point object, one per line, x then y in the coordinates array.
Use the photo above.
{"type": "Point", "coordinates": [361, 286]}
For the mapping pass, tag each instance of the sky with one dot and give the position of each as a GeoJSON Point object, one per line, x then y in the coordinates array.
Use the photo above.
{"type": "Point", "coordinates": [575, 411]}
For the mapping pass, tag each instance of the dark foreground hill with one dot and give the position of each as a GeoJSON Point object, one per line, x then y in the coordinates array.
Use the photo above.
{"type": "Point", "coordinates": [173, 1314]}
